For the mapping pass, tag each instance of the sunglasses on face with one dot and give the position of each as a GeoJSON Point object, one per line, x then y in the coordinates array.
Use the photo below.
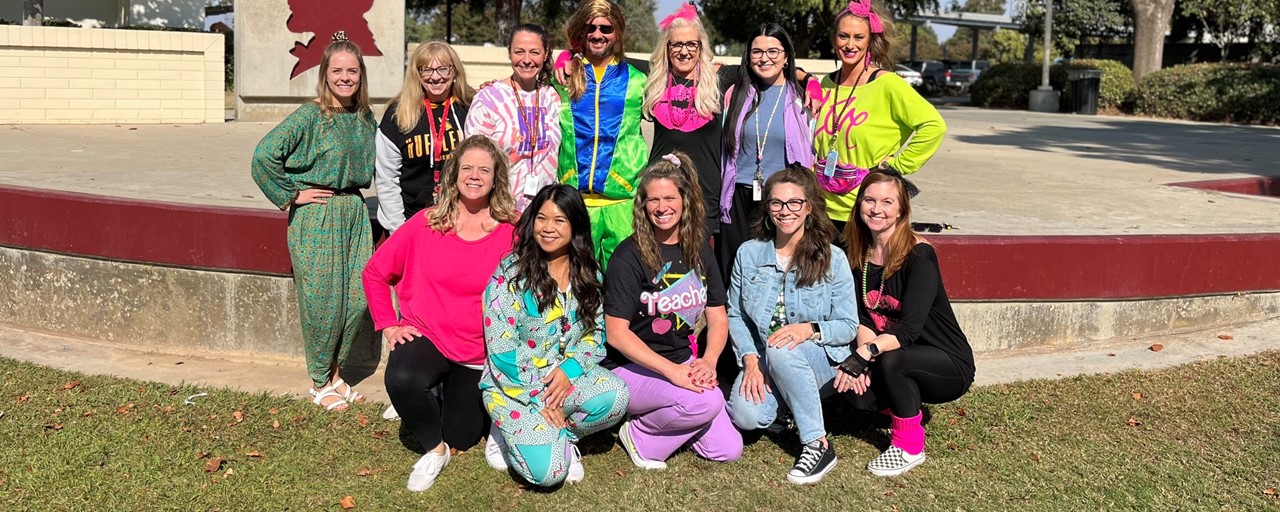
{"type": "Point", "coordinates": [604, 29]}
{"type": "Point", "coordinates": [690, 46]}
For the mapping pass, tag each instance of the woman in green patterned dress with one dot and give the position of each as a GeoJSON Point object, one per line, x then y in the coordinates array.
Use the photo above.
{"type": "Point", "coordinates": [313, 165]}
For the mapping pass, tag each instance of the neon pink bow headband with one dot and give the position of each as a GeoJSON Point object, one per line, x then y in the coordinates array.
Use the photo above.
{"type": "Point", "coordinates": [685, 12]}
{"type": "Point", "coordinates": [862, 9]}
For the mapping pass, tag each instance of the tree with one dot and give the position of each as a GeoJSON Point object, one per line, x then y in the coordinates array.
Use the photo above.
{"type": "Point", "coordinates": [1150, 22]}
{"type": "Point", "coordinates": [1011, 46]}
{"type": "Point", "coordinates": [1226, 21]}
{"type": "Point", "coordinates": [471, 25]}
{"type": "Point", "coordinates": [927, 47]}
{"type": "Point", "coordinates": [33, 13]}
{"type": "Point", "coordinates": [1074, 20]}
{"type": "Point", "coordinates": [808, 22]}
{"type": "Point", "coordinates": [642, 31]}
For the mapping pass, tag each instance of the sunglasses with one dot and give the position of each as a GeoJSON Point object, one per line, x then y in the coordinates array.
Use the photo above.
{"type": "Point", "coordinates": [604, 29]}
{"type": "Point", "coordinates": [931, 227]}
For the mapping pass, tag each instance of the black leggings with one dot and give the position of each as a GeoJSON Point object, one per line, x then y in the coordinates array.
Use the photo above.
{"type": "Point", "coordinates": [743, 213]}
{"type": "Point", "coordinates": [905, 378]}
{"type": "Point", "coordinates": [458, 419]}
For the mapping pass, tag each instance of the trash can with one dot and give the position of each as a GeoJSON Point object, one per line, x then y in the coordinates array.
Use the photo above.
{"type": "Point", "coordinates": [1085, 86]}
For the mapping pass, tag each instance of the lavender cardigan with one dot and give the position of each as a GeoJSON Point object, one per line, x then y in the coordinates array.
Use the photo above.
{"type": "Point", "coordinates": [799, 144]}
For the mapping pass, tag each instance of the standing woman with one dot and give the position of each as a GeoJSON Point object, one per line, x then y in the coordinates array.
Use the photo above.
{"type": "Point", "coordinates": [910, 348]}
{"type": "Point", "coordinates": [313, 165]}
{"type": "Point", "coordinates": [867, 114]}
{"type": "Point", "coordinates": [767, 128]}
{"type": "Point", "coordinates": [683, 98]}
{"type": "Point", "coordinates": [522, 114]}
{"type": "Point", "coordinates": [420, 131]}
{"type": "Point", "coordinates": [660, 281]}
{"type": "Point", "coordinates": [438, 264]}
{"type": "Point", "coordinates": [544, 333]}
{"type": "Point", "coordinates": [792, 317]}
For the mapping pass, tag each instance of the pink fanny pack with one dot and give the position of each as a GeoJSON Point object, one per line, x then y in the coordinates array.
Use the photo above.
{"type": "Point", "coordinates": [841, 179]}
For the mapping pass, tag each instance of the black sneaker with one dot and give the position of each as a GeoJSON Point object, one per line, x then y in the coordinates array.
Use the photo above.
{"type": "Point", "coordinates": [814, 463]}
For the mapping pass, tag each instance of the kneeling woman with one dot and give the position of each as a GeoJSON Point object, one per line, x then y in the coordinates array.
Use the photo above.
{"type": "Point", "coordinates": [439, 262]}
{"type": "Point", "coordinates": [544, 333]}
{"type": "Point", "coordinates": [660, 281]}
{"type": "Point", "coordinates": [792, 317]}
{"type": "Point", "coordinates": [910, 347]}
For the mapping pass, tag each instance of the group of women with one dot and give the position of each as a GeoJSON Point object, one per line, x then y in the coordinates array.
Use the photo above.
{"type": "Point", "coordinates": [499, 316]}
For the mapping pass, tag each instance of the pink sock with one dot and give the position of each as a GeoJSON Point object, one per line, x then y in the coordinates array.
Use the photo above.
{"type": "Point", "coordinates": [906, 433]}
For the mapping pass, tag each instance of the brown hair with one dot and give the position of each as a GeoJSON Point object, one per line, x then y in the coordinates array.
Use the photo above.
{"type": "Point", "coordinates": [812, 256]}
{"type": "Point", "coordinates": [576, 31]}
{"type": "Point", "coordinates": [409, 107]}
{"type": "Point", "coordinates": [901, 242]}
{"type": "Point", "coordinates": [325, 96]}
{"type": "Point", "coordinates": [502, 207]}
{"type": "Point", "coordinates": [879, 48]}
{"type": "Point", "coordinates": [692, 227]}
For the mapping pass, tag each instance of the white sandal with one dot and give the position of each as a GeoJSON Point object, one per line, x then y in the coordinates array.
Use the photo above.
{"type": "Point", "coordinates": [318, 397]}
{"type": "Point", "coordinates": [351, 395]}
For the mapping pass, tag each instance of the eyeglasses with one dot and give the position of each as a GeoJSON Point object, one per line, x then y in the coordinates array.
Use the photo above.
{"type": "Point", "coordinates": [604, 29]}
{"type": "Point", "coordinates": [441, 71]}
{"type": "Point", "coordinates": [795, 205]}
{"type": "Point", "coordinates": [773, 53]}
{"type": "Point", "coordinates": [689, 46]}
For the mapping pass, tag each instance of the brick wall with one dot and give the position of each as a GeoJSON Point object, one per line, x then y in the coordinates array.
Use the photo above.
{"type": "Point", "coordinates": [52, 75]}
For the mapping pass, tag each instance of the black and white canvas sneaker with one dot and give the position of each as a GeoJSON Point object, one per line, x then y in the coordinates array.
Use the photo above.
{"type": "Point", "coordinates": [814, 463]}
{"type": "Point", "coordinates": [894, 462]}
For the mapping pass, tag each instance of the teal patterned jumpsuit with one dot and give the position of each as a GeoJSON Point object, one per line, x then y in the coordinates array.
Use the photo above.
{"type": "Point", "coordinates": [329, 244]}
{"type": "Point", "coordinates": [524, 346]}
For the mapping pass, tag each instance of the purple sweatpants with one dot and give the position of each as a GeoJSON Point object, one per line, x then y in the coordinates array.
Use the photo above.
{"type": "Point", "coordinates": [666, 417]}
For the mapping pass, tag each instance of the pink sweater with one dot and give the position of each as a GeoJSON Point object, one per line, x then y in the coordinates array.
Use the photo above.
{"type": "Point", "coordinates": [439, 280]}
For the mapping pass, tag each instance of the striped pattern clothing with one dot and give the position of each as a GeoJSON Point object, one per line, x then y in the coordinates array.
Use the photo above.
{"type": "Point", "coordinates": [524, 346]}
{"type": "Point", "coordinates": [525, 124]}
{"type": "Point", "coordinates": [328, 243]}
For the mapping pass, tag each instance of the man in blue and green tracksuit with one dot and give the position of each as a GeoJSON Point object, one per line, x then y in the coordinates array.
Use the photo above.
{"type": "Point", "coordinates": [603, 151]}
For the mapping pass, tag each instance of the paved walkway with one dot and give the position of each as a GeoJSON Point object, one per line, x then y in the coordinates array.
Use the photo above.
{"type": "Point", "coordinates": [998, 172]}
{"type": "Point", "coordinates": [265, 374]}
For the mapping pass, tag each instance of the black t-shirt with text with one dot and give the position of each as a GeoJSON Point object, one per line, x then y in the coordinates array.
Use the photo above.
{"type": "Point", "coordinates": [419, 169]}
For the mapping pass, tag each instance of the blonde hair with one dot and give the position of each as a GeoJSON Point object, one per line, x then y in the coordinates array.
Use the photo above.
{"type": "Point", "coordinates": [576, 31]}
{"type": "Point", "coordinates": [708, 98]}
{"type": "Point", "coordinates": [691, 226]}
{"type": "Point", "coordinates": [880, 46]}
{"type": "Point", "coordinates": [325, 96]}
{"type": "Point", "coordinates": [409, 106]}
{"type": "Point", "coordinates": [502, 206]}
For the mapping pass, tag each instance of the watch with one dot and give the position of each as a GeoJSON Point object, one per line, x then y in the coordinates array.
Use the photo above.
{"type": "Point", "coordinates": [817, 331]}
{"type": "Point", "coordinates": [873, 349]}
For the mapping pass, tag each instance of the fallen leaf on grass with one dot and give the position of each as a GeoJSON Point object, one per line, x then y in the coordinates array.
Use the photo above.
{"type": "Point", "coordinates": [275, 423]}
{"type": "Point", "coordinates": [1156, 347]}
{"type": "Point", "coordinates": [297, 419]}
{"type": "Point", "coordinates": [229, 472]}
{"type": "Point", "coordinates": [1035, 456]}
{"type": "Point", "coordinates": [273, 411]}
{"type": "Point", "coordinates": [1133, 422]}
{"type": "Point", "coordinates": [255, 454]}
{"type": "Point", "coordinates": [124, 409]}
{"type": "Point", "coordinates": [348, 502]}
{"type": "Point", "coordinates": [1138, 396]}
{"type": "Point", "coordinates": [379, 434]}
{"type": "Point", "coordinates": [201, 454]}
{"type": "Point", "coordinates": [952, 446]}
{"type": "Point", "coordinates": [952, 421]}
{"type": "Point", "coordinates": [363, 472]}
{"type": "Point", "coordinates": [54, 426]}
{"type": "Point", "coordinates": [239, 416]}
{"type": "Point", "coordinates": [621, 472]}
{"type": "Point", "coordinates": [71, 385]}
{"type": "Point", "coordinates": [1226, 337]}
{"type": "Point", "coordinates": [86, 414]}
{"type": "Point", "coordinates": [213, 465]}
{"type": "Point", "coordinates": [362, 420]}
{"type": "Point", "coordinates": [889, 493]}
{"type": "Point", "coordinates": [24, 398]}
{"type": "Point", "coordinates": [960, 411]}
{"type": "Point", "coordinates": [1270, 491]}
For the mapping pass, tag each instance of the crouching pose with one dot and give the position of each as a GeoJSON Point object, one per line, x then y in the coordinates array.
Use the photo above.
{"type": "Point", "coordinates": [910, 347]}
{"type": "Point", "coordinates": [543, 322]}
{"type": "Point", "coordinates": [792, 318]}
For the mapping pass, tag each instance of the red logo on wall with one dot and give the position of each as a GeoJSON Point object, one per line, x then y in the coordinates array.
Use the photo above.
{"type": "Point", "coordinates": [324, 18]}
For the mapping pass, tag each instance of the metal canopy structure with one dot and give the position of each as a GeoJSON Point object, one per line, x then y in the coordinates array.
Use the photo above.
{"type": "Point", "coordinates": [975, 20]}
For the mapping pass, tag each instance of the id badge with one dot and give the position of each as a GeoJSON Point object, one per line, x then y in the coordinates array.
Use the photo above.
{"type": "Point", "coordinates": [531, 187]}
{"type": "Point", "coordinates": [757, 190]}
{"type": "Point", "coordinates": [830, 168]}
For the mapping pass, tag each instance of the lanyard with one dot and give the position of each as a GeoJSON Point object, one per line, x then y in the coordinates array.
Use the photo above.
{"type": "Point", "coordinates": [835, 120]}
{"type": "Point", "coordinates": [437, 139]}
{"type": "Point", "coordinates": [526, 122]}
{"type": "Point", "coordinates": [769, 126]}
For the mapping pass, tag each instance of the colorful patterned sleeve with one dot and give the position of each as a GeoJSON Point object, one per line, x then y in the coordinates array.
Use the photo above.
{"type": "Point", "coordinates": [587, 350]}
{"type": "Point", "coordinates": [506, 351]}
{"type": "Point", "coordinates": [273, 150]}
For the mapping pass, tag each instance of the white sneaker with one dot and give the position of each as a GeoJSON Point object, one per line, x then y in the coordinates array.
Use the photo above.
{"type": "Point", "coordinates": [390, 414]}
{"type": "Point", "coordinates": [427, 469]}
{"type": "Point", "coordinates": [624, 435]}
{"type": "Point", "coordinates": [576, 472]}
{"type": "Point", "coordinates": [894, 462]}
{"type": "Point", "coordinates": [495, 449]}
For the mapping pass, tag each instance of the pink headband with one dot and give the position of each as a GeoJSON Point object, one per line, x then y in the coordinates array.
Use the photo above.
{"type": "Point", "coordinates": [862, 9]}
{"type": "Point", "coordinates": [685, 12]}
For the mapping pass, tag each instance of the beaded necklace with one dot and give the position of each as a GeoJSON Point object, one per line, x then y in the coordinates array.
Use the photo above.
{"type": "Point", "coordinates": [832, 156]}
{"type": "Point", "coordinates": [866, 298]}
{"type": "Point", "coordinates": [680, 115]}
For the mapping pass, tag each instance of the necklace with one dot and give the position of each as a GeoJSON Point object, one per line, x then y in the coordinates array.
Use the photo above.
{"type": "Point", "coordinates": [437, 139]}
{"type": "Point", "coordinates": [761, 142]}
{"type": "Point", "coordinates": [527, 132]}
{"type": "Point", "coordinates": [680, 115]}
{"type": "Point", "coordinates": [835, 120]}
{"type": "Point", "coordinates": [866, 299]}
{"type": "Point", "coordinates": [564, 320]}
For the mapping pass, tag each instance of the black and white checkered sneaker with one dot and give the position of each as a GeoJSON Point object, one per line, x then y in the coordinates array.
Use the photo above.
{"type": "Point", "coordinates": [814, 463]}
{"type": "Point", "coordinates": [894, 462]}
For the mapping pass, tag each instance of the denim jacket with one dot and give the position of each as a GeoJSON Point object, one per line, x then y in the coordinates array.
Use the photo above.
{"type": "Point", "coordinates": [753, 294]}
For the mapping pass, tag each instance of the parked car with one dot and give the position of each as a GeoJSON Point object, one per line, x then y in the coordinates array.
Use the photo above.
{"type": "Point", "coordinates": [911, 76]}
{"type": "Point", "coordinates": [948, 77]}
{"type": "Point", "coordinates": [964, 74]}
{"type": "Point", "coordinates": [933, 74]}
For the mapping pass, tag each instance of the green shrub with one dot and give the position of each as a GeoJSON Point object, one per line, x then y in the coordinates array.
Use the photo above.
{"type": "Point", "coordinates": [1233, 93]}
{"type": "Point", "coordinates": [1009, 85]}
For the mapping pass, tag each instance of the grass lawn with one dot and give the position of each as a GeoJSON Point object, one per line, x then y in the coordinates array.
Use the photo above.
{"type": "Point", "coordinates": [1200, 437]}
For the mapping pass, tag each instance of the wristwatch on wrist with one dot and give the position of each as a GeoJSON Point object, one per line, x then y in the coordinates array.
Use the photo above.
{"type": "Point", "coordinates": [817, 331]}
{"type": "Point", "coordinates": [873, 349]}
